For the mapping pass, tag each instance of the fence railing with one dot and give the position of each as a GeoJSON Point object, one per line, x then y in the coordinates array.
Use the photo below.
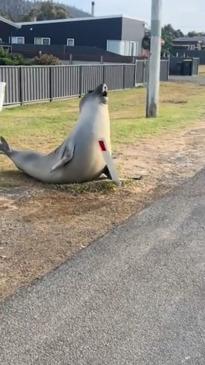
{"type": "Point", "coordinates": [26, 84]}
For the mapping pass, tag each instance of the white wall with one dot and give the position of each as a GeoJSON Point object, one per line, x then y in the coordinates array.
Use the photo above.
{"type": "Point", "coordinates": [123, 48]}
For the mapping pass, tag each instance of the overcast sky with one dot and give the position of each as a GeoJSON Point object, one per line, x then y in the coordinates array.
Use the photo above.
{"type": "Point", "coordinates": [184, 14]}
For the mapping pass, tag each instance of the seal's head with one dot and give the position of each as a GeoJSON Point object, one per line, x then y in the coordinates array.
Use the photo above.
{"type": "Point", "coordinates": [95, 97]}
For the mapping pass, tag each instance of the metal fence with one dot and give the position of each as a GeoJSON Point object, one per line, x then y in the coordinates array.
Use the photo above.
{"type": "Point", "coordinates": [26, 84]}
{"type": "Point", "coordinates": [191, 54]}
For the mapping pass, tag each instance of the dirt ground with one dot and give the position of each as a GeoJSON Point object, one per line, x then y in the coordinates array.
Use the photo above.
{"type": "Point", "coordinates": [42, 226]}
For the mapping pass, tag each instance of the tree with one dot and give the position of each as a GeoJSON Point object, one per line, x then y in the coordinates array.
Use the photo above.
{"type": "Point", "coordinates": [47, 11]}
{"type": "Point", "coordinates": [16, 10]}
{"type": "Point", "coordinates": [12, 9]}
{"type": "Point", "coordinates": [168, 35]}
{"type": "Point", "coordinates": [5, 15]}
{"type": "Point", "coordinates": [195, 34]}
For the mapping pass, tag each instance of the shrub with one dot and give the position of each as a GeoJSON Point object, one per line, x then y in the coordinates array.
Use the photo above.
{"type": "Point", "coordinates": [7, 58]}
{"type": "Point", "coordinates": [46, 59]}
{"type": "Point", "coordinates": [6, 61]}
{"type": "Point", "coordinates": [3, 53]}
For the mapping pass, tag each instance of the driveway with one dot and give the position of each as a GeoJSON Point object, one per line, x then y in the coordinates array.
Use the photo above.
{"type": "Point", "coordinates": [136, 296]}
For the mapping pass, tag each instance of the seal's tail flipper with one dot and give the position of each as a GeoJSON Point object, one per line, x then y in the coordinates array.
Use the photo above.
{"type": "Point", "coordinates": [4, 147]}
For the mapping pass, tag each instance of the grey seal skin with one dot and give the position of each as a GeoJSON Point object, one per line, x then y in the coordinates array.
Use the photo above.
{"type": "Point", "coordinates": [78, 158]}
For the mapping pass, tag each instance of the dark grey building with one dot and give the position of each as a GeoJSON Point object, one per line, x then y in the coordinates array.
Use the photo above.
{"type": "Point", "coordinates": [192, 47]}
{"type": "Point", "coordinates": [7, 29]}
{"type": "Point", "coordinates": [116, 34]}
{"type": "Point", "coordinates": [189, 43]}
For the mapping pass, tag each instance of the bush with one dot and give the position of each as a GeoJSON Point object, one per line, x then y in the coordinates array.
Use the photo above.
{"type": "Point", "coordinates": [6, 61]}
{"type": "Point", "coordinates": [46, 59]}
{"type": "Point", "coordinates": [3, 53]}
{"type": "Point", "coordinates": [7, 58]}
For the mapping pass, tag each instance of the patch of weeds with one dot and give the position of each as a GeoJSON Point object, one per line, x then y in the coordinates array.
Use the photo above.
{"type": "Point", "coordinates": [175, 101]}
{"type": "Point", "coordinates": [99, 186]}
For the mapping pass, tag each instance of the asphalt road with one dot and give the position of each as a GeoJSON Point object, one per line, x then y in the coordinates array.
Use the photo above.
{"type": "Point", "coordinates": [136, 296]}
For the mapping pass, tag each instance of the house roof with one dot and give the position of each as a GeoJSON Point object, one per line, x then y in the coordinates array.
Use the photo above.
{"type": "Point", "coordinates": [90, 18]}
{"type": "Point", "coordinates": [190, 39]}
{"type": "Point", "coordinates": [7, 21]}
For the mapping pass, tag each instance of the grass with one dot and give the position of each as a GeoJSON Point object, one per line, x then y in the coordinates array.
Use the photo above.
{"type": "Point", "coordinates": [43, 126]}
{"type": "Point", "coordinates": [202, 70]}
{"type": "Point", "coordinates": [34, 226]}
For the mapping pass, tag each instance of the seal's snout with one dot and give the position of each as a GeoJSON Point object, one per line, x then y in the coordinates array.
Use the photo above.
{"type": "Point", "coordinates": [104, 90]}
{"type": "Point", "coordinates": [101, 90]}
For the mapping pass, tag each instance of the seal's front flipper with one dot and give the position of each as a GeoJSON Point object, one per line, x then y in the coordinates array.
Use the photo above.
{"type": "Point", "coordinates": [66, 158]}
{"type": "Point", "coordinates": [107, 173]}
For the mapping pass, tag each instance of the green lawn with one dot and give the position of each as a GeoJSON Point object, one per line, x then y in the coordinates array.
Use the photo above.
{"type": "Point", "coordinates": [43, 126]}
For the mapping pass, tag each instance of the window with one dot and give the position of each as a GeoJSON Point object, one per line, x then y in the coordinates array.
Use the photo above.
{"type": "Point", "coordinates": [41, 41]}
{"type": "Point", "coordinates": [123, 48]}
{"type": "Point", "coordinates": [17, 40]}
{"type": "Point", "coordinates": [191, 47]}
{"type": "Point", "coordinates": [70, 42]}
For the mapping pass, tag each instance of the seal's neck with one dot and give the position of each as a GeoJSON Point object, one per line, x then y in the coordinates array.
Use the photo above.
{"type": "Point", "coordinates": [94, 113]}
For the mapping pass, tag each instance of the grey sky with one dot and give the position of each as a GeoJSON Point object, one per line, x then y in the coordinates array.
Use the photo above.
{"type": "Point", "coordinates": [184, 14]}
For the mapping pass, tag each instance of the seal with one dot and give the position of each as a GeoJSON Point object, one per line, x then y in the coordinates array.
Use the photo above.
{"type": "Point", "coordinates": [79, 158]}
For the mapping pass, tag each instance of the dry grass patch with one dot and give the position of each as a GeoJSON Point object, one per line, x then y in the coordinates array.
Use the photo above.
{"type": "Point", "coordinates": [43, 225]}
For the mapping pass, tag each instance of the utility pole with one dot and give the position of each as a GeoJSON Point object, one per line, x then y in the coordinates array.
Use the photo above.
{"type": "Point", "coordinates": [154, 64]}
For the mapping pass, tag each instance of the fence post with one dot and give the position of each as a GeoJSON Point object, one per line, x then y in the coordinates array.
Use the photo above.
{"type": "Point", "coordinates": [80, 80]}
{"type": "Point", "coordinates": [144, 72]}
{"type": "Point", "coordinates": [135, 72]}
{"type": "Point", "coordinates": [123, 75]}
{"type": "Point", "coordinates": [20, 86]}
{"type": "Point", "coordinates": [168, 66]}
{"type": "Point", "coordinates": [103, 66]}
{"type": "Point", "coordinates": [50, 84]}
